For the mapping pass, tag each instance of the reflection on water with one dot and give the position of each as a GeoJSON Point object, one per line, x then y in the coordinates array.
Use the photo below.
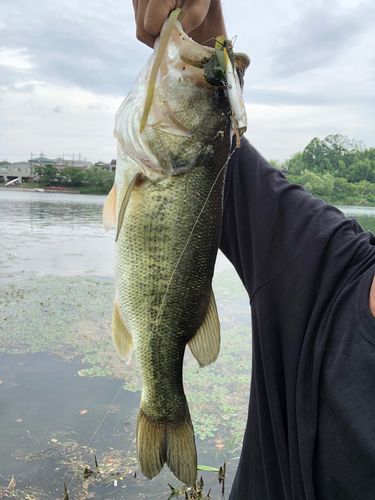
{"type": "Point", "coordinates": [57, 233]}
{"type": "Point", "coordinates": [54, 233]}
{"type": "Point", "coordinates": [364, 215]}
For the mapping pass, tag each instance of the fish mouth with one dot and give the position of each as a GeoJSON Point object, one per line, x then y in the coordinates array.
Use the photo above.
{"type": "Point", "coordinates": [193, 53]}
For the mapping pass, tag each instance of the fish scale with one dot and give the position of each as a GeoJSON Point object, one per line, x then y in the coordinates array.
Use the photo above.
{"type": "Point", "coordinates": [164, 286]}
{"type": "Point", "coordinates": [167, 205]}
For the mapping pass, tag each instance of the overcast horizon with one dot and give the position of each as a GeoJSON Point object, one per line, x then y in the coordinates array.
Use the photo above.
{"type": "Point", "coordinates": [67, 66]}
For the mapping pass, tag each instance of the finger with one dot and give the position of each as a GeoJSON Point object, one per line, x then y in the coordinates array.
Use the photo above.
{"type": "Point", "coordinates": [156, 13]}
{"type": "Point", "coordinates": [135, 7]}
{"type": "Point", "coordinates": [195, 13]}
{"type": "Point", "coordinates": [212, 24]}
{"type": "Point", "coordinates": [142, 34]}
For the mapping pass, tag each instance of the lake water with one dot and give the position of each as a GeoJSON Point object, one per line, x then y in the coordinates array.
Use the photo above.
{"type": "Point", "coordinates": [65, 396]}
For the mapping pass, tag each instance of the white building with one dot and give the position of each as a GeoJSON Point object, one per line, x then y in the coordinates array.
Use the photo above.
{"type": "Point", "coordinates": [61, 163]}
{"type": "Point", "coordinates": [19, 169]}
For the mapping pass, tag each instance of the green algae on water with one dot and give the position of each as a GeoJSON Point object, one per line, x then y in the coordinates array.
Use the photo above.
{"type": "Point", "coordinates": [71, 317]}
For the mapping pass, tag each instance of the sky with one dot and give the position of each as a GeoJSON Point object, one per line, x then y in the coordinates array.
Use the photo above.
{"type": "Point", "coordinates": [66, 66]}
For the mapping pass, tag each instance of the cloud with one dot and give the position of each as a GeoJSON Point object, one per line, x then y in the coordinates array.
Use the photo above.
{"type": "Point", "coordinates": [319, 36]}
{"type": "Point", "coordinates": [312, 72]}
{"type": "Point", "coordinates": [17, 58]}
{"type": "Point", "coordinates": [282, 97]}
{"type": "Point", "coordinates": [73, 43]}
{"type": "Point", "coordinates": [97, 106]}
{"type": "Point", "coordinates": [26, 86]}
{"type": "Point", "coordinates": [279, 97]}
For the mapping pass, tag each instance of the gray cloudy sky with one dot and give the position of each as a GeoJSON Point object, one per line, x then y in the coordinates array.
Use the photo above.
{"type": "Point", "coordinates": [65, 67]}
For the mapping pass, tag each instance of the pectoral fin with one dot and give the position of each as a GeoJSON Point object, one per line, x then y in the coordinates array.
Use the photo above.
{"type": "Point", "coordinates": [125, 197]}
{"type": "Point", "coordinates": [109, 210]}
{"type": "Point", "coordinates": [121, 336]}
{"type": "Point", "coordinates": [205, 345]}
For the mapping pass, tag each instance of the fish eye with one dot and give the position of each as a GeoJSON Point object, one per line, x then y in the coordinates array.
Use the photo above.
{"type": "Point", "coordinates": [221, 97]}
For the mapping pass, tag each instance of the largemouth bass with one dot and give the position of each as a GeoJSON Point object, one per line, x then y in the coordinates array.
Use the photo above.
{"type": "Point", "coordinates": [167, 206]}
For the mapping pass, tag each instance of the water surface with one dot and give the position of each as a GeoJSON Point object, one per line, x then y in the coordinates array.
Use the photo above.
{"type": "Point", "coordinates": [66, 396]}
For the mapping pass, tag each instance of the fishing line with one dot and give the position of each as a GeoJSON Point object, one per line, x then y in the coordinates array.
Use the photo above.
{"type": "Point", "coordinates": [105, 416]}
{"type": "Point", "coordinates": [189, 238]}
{"type": "Point", "coordinates": [109, 407]}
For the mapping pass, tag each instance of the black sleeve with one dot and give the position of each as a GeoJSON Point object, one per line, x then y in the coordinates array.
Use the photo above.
{"type": "Point", "coordinates": [302, 263]}
{"type": "Point", "coordinates": [267, 221]}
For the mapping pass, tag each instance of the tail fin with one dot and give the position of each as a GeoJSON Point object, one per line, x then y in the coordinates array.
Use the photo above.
{"type": "Point", "coordinates": [174, 445]}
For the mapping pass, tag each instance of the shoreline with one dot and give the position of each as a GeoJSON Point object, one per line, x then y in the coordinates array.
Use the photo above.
{"type": "Point", "coordinates": [41, 190]}
{"type": "Point", "coordinates": [77, 191]}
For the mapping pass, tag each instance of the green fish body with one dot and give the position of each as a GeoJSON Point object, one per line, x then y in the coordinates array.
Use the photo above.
{"type": "Point", "coordinates": [169, 191]}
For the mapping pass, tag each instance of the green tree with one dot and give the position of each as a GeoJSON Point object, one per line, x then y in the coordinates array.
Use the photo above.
{"type": "Point", "coordinates": [47, 175]}
{"type": "Point", "coordinates": [295, 165]}
{"type": "Point", "coordinates": [337, 146]}
{"type": "Point", "coordinates": [342, 190]}
{"type": "Point", "coordinates": [313, 155]}
{"type": "Point", "coordinates": [337, 169]}
{"type": "Point", "coordinates": [71, 177]}
{"type": "Point", "coordinates": [275, 163]}
{"type": "Point", "coordinates": [318, 185]}
{"type": "Point", "coordinates": [341, 169]}
{"type": "Point", "coordinates": [99, 177]}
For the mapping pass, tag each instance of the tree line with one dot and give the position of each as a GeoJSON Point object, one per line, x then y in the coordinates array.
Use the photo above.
{"type": "Point", "coordinates": [336, 169]}
{"type": "Point", "coordinates": [93, 180]}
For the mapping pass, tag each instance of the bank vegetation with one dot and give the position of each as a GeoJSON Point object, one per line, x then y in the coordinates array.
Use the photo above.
{"type": "Point", "coordinates": [338, 170]}
{"type": "Point", "coordinates": [93, 180]}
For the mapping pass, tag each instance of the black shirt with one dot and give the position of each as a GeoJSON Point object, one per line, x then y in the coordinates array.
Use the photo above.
{"type": "Point", "coordinates": [308, 270]}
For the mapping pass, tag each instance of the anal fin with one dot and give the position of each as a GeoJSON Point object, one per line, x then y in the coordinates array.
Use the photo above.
{"type": "Point", "coordinates": [121, 336]}
{"type": "Point", "coordinates": [205, 345]}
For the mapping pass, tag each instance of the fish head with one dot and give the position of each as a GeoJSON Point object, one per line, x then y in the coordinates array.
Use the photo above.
{"type": "Point", "coordinates": [187, 119]}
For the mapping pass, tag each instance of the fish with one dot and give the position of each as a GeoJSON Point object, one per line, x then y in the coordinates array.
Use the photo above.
{"type": "Point", "coordinates": [174, 133]}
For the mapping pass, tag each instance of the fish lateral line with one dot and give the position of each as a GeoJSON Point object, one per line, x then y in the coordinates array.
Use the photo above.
{"type": "Point", "coordinates": [188, 241]}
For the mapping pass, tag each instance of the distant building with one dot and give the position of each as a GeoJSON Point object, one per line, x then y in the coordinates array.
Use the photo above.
{"type": "Point", "coordinates": [61, 163]}
{"type": "Point", "coordinates": [21, 170]}
{"type": "Point", "coordinates": [41, 161]}
{"type": "Point", "coordinates": [102, 164]}
{"type": "Point", "coordinates": [112, 166]}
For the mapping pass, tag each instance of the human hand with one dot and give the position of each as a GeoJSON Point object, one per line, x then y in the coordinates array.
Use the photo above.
{"type": "Point", "coordinates": [203, 19]}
